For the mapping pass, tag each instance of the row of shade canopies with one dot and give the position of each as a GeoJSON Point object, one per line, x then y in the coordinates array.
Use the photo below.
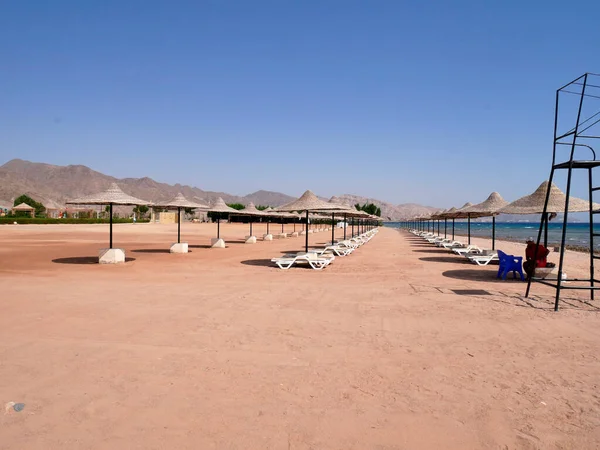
{"type": "Point", "coordinates": [307, 203]}
{"type": "Point", "coordinates": [494, 205]}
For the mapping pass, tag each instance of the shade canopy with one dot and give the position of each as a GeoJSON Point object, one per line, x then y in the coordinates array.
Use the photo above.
{"type": "Point", "coordinates": [113, 195]}
{"type": "Point", "coordinates": [448, 214]}
{"type": "Point", "coordinates": [347, 210]}
{"type": "Point", "coordinates": [438, 215]}
{"type": "Point", "coordinates": [462, 212]}
{"type": "Point", "coordinates": [534, 203]}
{"type": "Point", "coordinates": [251, 210]}
{"type": "Point", "coordinates": [489, 207]}
{"type": "Point", "coordinates": [24, 207]}
{"type": "Point", "coordinates": [180, 202]}
{"type": "Point", "coordinates": [219, 206]}
{"type": "Point", "coordinates": [270, 212]}
{"type": "Point", "coordinates": [310, 202]}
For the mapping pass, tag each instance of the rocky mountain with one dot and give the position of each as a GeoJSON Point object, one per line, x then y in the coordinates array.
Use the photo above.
{"type": "Point", "coordinates": [49, 183]}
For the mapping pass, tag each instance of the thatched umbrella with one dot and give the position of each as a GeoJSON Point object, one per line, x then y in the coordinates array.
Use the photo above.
{"type": "Point", "coordinates": [251, 211]}
{"type": "Point", "coordinates": [180, 202]}
{"type": "Point", "coordinates": [449, 214]}
{"type": "Point", "coordinates": [439, 216]}
{"type": "Point", "coordinates": [270, 212]}
{"type": "Point", "coordinates": [25, 207]}
{"type": "Point", "coordinates": [489, 207]}
{"type": "Point", "coordinates": [462, 213]}
{"type": "Point", "coordinates": [534, 204]}
{"type": "Point", "coordinates": [220, 207]}
{"type": "Point", "coordinates": [309, 202]}
{"type": "Point", "coordinates": [112, 196]}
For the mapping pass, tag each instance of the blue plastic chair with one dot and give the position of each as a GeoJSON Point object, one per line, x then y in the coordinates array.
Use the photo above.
{"type": "Point", "coordinates": [510, 263]}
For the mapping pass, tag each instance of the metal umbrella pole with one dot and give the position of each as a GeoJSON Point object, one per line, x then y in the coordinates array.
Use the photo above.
{"type": "Point", "coordinates": [111, 222]}
{"type": "Point", "coordinates": [469, 228]}
{"type": "Point", "coordinates": [332, 228]}
{"type": "Point", "coordinates": [493, 232]}
{"type": "Point", "coordinates": [178, 225]}
{"type": "Point", "coordinates": [306, 234]}
{"type": "Point", "coordinates": [345, 226]}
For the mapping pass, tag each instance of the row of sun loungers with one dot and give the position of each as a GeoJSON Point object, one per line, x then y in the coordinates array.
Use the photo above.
{"type": "Point", "coordinates": [318, 259]}
{"type": "Point", "coordinates": [473, 253]}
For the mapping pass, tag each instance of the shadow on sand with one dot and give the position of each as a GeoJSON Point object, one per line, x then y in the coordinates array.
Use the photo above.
{"type": "Point", "coordinates": [84, 260]}
{"type": "Point", "coordinates": [446, 259]}
{"type": "Point", "coordinates": [480, 274]}
{"type": "Point", "coordinates": [439, 250]}
{"type": "Point", "coordinates": [151, 250]}
{"type": "Point", "coordinates": [199, 246]}
{"type": "Point", "coordinates": [258, 262]}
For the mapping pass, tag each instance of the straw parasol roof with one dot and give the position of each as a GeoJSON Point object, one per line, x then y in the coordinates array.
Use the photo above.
{"type": "Point", "coordinates": [310, 202]}
{"type": "Point", "coordinates": [24, 207]}
{"type": "Point", "coordinates": [534, 203]}
{"type": "Point", "coordinates": [113, 195]}
{"type": "Point", "coordinates": [219, 206]}
{"type": "Point", "coordinates": [251, 210]}
{"type": "Point", "coordinates": [448, 214]}
{"type": "Point", "coordinates": [461, 212]}
{"type": "Point", "coordinates": [438, 214]}
{"type": "Point", "coordinates": [180, 202]}
{"type": "Point", "coordinates": [489, 207]}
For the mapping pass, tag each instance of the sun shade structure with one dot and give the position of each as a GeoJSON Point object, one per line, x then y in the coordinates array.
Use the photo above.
{"type": "Point", "coordinates": [180, 202]}
{"type": "Point", "coordinates": [251, 211]}
{"type": "Point", "coordinates": [25, 207]}
{"type": "Point", "coordinates": [534, 203]}
{"type": "Point", "coordinates": [462, 213]}
{"type": "Point", "coordinates": [112, 196]}
{"type": "Point", "coordinates": [309, 202]}
{"type": "Point", "coordinates": [489, 207]}
{"type": "Point", "coordinates": [219, 206]}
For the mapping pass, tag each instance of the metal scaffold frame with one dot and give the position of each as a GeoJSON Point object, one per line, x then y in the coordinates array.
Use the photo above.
{"type": "Point", "coordinates": [578, 107]}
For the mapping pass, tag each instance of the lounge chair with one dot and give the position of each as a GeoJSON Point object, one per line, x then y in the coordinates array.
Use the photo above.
{"type": "Point", "coordinates": [312, 259]}
{"type": "Point", "coordinates": [337, 249]}
{"type": "Point", "coordinates": [483, 259]}
{"type": "Point", "coordinates": [467, 250]}
{"type": "Point", "coordinates": [452, 244]}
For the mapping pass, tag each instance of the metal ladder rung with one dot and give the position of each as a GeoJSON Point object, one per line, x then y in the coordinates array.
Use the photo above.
{"type": "Point", "coordinates": [595, 189]}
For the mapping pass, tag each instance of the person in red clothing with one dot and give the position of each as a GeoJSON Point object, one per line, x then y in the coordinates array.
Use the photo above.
{"type": "Point", "coordinates": [530, 253]}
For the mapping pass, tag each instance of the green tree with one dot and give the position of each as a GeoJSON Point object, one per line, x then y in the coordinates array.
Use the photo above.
{"type": "Point", "coordinates": [237, 206]}
{"type": "Point", "coordinates": [140, 210]}
{"type": "Point", "coordinates": [40, 209]}
{"type": "Point", "coordinates": [369, 208]}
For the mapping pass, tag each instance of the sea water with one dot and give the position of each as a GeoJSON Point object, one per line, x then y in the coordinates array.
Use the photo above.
{"type": "Point", "coordinates": [578, 234]}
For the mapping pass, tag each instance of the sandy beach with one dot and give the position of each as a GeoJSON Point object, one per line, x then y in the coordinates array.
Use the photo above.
{"type": "Point", "coordinates": [398, 346]}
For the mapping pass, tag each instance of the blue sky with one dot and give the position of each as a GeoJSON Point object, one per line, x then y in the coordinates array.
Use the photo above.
{"type": "Point", "coordinates": [437, 103]}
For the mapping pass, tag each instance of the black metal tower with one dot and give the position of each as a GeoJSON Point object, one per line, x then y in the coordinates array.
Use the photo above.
{"type": "Point", "coordinates": [576, 130]}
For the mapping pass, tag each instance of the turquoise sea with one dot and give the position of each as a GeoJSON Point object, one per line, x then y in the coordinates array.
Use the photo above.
{"type": "Point", "coordinates": [578, 234]}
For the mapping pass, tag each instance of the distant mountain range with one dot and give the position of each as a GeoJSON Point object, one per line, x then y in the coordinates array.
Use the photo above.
{"type": "Point", "coordinates": [50, 184]}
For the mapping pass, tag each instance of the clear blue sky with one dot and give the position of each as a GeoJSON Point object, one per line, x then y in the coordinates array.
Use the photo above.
{"type": "Point", "coordinates": [431, 102]}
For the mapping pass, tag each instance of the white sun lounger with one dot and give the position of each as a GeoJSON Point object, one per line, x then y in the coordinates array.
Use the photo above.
{"type": "Point", "coordinates": [483, 260]}
{"type": "Point", "coordinates": [312, 259]}
{"type": "Point", "coordinates": [451, 245]}
{"type": "Point", "coordinates": [467, 250]}
{"type": "Point", "coordinates": [330, 249]}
